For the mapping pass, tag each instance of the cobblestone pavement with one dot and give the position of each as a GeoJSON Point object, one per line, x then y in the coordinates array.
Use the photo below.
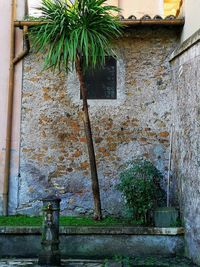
{"type": "Point", "coordinates": [116, 262]}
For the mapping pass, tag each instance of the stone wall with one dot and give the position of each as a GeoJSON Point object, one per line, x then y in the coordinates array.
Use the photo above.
{"type": "Point", "coordinates": [53, 147]}
{"type": "Point", "coordinates": [94, 242]}
{"type": "Point", "coordinates": [186, 147]}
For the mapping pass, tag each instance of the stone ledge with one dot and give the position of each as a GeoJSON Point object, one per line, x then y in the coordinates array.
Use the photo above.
{"type": "Point", "coordinates": [95, 242]}
{"type": "Point", "coordinates": [95, 230]}
{"type": "Point", "coordinates": [192, 40]}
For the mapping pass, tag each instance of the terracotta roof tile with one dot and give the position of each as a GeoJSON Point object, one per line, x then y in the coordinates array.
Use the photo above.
{"type": "Point", "coordinates": [148, 17]}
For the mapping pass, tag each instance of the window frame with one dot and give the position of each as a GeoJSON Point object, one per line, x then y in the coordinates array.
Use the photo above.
{"type": "Point", "coordinates": [97, 75]}
{"type": "Point", "coordinates": [73, 90]}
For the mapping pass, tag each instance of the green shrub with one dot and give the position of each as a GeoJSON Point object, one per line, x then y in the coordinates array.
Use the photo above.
{"type": "Point", "coordinates": [140, 186]}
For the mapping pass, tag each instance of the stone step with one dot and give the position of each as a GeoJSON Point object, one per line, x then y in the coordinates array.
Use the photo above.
{"type": "Point", "coordinates": [117, 262]}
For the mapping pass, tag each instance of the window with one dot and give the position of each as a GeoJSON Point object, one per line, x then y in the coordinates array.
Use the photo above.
{"type": "Point", "coordinates": [102, 83]}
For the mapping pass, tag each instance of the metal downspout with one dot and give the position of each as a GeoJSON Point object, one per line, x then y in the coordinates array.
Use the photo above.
{"type": "Point", "coordinates": [125, 22]}
{"type": "Point", "coordinates": [13, 61]}
{"type": "Point", "coordinates": [9, 113]}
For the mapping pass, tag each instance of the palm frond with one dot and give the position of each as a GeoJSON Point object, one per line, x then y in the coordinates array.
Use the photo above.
{"type": "Point", "coordinates": [86, 27]}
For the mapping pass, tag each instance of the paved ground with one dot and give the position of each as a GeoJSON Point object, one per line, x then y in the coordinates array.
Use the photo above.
{"type": "Point", "coordinates": [116, 262]}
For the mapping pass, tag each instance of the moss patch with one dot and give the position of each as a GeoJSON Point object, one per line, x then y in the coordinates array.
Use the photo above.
{"type": "Point", "coordinates": [65, 221]}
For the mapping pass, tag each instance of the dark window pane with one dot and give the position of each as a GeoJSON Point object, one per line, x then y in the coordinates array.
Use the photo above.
{"type": "Point", "coordinates": [101, 83]}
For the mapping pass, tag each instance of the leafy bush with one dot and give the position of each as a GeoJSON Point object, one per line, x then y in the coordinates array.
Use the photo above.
{"type": "Point", "coordinates": [140, 186]}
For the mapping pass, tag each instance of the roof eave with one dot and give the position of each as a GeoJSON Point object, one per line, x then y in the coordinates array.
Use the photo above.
{"type": "Point", "coordinates": [151, 22]}
{"type": "Point", "coordinates": [126, 22]}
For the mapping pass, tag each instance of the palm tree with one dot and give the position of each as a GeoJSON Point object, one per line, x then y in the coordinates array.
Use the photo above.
{"type": "Point", "coordinates": [78, 35]}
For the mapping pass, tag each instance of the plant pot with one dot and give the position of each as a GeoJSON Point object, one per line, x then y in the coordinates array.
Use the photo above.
{"type": "Point", "coordinates": [166, 217]}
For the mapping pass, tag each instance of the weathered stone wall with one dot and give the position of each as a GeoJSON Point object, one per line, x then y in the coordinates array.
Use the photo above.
{"type": "Point", "coordinates": [94, 242]}
{"type": "Point", "coordinates": [186, 147]}
{"type": "Point", "coordinates": [53, 149]}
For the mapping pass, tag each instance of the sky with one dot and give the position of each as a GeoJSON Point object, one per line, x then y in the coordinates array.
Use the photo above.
{"type": "Point", "coordinates": [32, 4]}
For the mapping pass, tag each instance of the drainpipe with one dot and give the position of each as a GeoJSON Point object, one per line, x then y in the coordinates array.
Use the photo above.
{"type": "Point", "coordinates": [169, 165]}
{"type": "Point", "coordinates": [26, 39]}
{"type": "Point", "coordinates": [26, 48]}
{"type": "Point", "coordinates": [13, 60]}
{"type": "Point", "coordinates": [125, 22]}
{"type": "Point", "coordinates": [9, 113]}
